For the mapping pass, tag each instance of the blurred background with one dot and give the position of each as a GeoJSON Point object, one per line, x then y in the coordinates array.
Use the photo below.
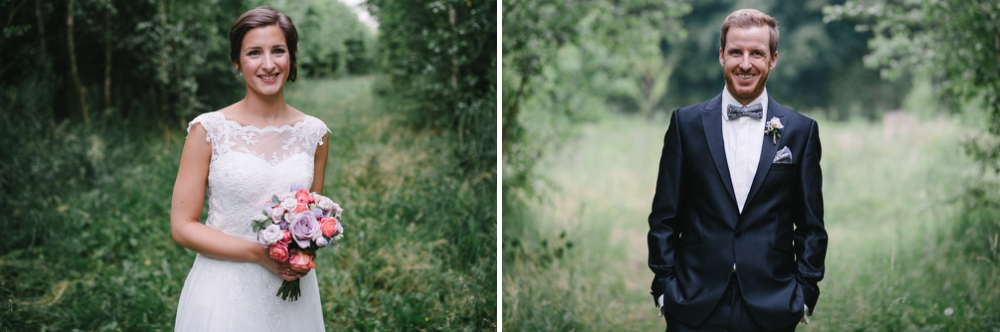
{"type": "Point", "coordinates": [906, 94]}
{"type": "Point", "coordinates": [95, 96]}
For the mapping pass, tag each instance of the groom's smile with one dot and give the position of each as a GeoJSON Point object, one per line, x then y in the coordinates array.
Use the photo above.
{"type": "Point", "coordinates": [746, 61]}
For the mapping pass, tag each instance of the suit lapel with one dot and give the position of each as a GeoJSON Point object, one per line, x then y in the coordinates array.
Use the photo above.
{"type": "Point", "coordinates": [711, 119]}
{"type": "Point", "coordinates": [768, 149]}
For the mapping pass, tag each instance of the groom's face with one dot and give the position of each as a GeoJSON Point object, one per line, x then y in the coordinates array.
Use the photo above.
{"type": "Point", "coordinates": [746, 61]}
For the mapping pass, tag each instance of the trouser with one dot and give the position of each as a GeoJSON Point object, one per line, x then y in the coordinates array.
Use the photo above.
{"type": "Point", "coordinates": [730, 314]}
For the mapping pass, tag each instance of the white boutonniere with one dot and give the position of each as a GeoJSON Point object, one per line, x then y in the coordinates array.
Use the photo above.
{"type": "Point", "coordinates": [772, 127]}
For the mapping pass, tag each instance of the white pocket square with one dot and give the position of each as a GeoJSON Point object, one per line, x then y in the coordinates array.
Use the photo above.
{"type": "Point", "coordinates": [784, 156]}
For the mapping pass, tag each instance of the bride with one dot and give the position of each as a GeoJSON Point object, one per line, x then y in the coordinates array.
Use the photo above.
{"type": "Point", "coordinates": [243, 154]}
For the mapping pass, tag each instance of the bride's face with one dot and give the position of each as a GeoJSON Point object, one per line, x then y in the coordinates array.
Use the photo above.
{"type": "Point", "coordinates": [264, 60]}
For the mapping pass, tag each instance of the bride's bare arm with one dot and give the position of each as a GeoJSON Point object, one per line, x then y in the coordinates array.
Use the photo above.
{"type": "Point", "coordinates": [319, 166]}
{"type": "Point", "coordinates": [185, 211]}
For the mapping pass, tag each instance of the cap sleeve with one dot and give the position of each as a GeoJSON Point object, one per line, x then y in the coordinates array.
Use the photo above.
{"type": "Point", "coordinates": [207, 121]}
{"type": "Point", "coordinates": [319, 129]}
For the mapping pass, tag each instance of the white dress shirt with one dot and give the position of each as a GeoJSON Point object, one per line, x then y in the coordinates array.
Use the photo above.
{"type": "Point", "coordinates": [743, 138]}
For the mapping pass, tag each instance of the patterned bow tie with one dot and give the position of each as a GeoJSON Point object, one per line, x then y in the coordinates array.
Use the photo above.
{"type": "Point", "coordinates": [755, 111]}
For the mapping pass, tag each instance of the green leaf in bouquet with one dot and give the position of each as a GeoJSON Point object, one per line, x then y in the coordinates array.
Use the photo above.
{"type": "Point", "coordinates": [259, 225]}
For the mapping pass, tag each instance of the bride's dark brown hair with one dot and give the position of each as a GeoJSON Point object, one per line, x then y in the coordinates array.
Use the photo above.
{"type": "Point", "coordinates": [261, 17]}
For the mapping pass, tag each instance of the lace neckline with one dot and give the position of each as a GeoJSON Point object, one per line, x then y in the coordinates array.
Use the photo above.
{"type": "Point", "coordinates": [268, 128]}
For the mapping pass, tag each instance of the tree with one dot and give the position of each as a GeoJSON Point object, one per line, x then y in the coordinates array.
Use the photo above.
{"type": "Point", "coordinates": [440, 63]}
{"type": "Point", "coordinates": [956, 42]}
{"type": "Point", "coordinates": [640, 32]}
{"type": "Point", "coordinates": [533, 32]}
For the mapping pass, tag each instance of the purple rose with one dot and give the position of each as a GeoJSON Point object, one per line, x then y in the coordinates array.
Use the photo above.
{"type": "Point", "coordinates": [318, 213]}
{"type": "Point", "coordinates": [304, 228]}
{"type": "Point", "coordinates": [322, 242]}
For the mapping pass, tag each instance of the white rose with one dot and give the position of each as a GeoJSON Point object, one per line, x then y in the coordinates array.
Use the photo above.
{"type": "Point", "coordinates": [324, 203]}
{"type": "Point", "coordinates": [289, 203]}
{"type": "Point", "coordinates": [277, 213]}
{"type": "Point", "coordinates": [260, 217]}
{"type": "Point", "coordinates": [776, 123]}
{"type": "Point", "coordinates": [336, 209]}
{"type": "Point", "coordinates": [270, 235]}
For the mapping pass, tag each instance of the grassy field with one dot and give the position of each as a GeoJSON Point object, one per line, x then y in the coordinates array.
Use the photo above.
{"type": "Point", "coordinates": [418, 253]}
{"type": "Point", "coordinates": [898, 259]}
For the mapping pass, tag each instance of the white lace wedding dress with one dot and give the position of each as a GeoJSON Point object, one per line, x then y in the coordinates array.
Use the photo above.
{"type": "Point", "coordinates": [249, 165]}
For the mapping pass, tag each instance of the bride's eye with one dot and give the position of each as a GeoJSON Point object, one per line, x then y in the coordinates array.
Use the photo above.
{"type": "Point", "coordinates": [253, 52]}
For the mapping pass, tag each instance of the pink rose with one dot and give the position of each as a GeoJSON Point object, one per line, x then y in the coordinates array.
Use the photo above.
{"type": "Point", "coordinates": [301, 208]}
{"type": "Point", "coordinates": [303, 197]}
{"type": "Point", "coordinates": [301, 262]}
{"type": "Point", "coordinates": [286, 237]}
{"type": "Point", "coordinates": [328, 227]}
{"type": "Point", "coordinates": [279, 252]}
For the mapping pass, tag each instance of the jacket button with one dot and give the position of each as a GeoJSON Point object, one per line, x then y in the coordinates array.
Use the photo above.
{"type": "Point", "coordinates": [738, 233]}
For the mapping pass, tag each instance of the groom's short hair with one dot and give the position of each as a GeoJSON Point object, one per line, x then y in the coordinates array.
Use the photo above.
{"type": "Point", "coordinates": [747, 18]}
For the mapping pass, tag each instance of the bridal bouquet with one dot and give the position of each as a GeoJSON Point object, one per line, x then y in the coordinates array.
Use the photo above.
{"type": "Point", "coordinates": [293, 226]}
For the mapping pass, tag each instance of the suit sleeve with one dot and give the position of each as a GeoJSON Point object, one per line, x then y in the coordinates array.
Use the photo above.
{"type": "Point", "coordinates": [810, 233]}
{"type": "Point", "coordinates": [663, 219]}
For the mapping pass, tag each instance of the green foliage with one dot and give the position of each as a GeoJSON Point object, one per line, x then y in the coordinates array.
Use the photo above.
{"type": "Point", "coordinates": [534, 32]}
{"type": "Point", "coordinates": [638, 32]}
{"type": "Point", "coordinates": [156, 64]}
{"type": "Point", "coordinates": [955, 42]}
{"type": "Point", "coordinates": [440, 57]}
{"type": "Point", "coordinates": [565, 60]}
{"type": "Point", "coordinates": [420, 249]}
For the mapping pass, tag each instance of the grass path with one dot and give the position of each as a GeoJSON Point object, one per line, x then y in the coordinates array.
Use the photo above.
{"type": "Point", "coordinates": [889, 189]}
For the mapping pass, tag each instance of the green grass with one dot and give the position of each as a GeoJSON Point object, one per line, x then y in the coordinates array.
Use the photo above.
{"type": "Point", "coordinates": [898, 257]}
{"type": "Point", "coordinates": [418, 252]}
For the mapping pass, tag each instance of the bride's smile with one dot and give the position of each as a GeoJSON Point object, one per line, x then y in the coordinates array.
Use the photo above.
{"type": "Point", "coordinates": [264, 60]}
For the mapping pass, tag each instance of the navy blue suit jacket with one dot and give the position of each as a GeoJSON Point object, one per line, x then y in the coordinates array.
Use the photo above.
{"type": "Point", "coordinates": [697, 233]}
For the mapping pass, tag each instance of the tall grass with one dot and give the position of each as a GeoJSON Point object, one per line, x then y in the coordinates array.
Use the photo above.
{"type": "Point", "coordinates": [898, 257]}
{"type": "Point", "coordinates": [416, 253]}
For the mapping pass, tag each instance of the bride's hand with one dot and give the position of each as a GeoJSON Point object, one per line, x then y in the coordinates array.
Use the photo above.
{"type": "Point", "coordinates": [283, 270]}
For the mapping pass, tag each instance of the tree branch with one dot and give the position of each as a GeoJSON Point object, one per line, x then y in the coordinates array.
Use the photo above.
{"type": "Point", "coordinates": [72, 61]}
{"type": "Point", "coordinates": [10, 19]}
{"type": "Point", "coordinates": [512, 111]}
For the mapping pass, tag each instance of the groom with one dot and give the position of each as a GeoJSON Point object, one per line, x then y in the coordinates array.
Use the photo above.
{"type": "Point", "coordinates": [736, 236]}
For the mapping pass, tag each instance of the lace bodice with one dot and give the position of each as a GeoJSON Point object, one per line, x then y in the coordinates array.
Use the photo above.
{"type": "Point", "coordinates": [250, 164]}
